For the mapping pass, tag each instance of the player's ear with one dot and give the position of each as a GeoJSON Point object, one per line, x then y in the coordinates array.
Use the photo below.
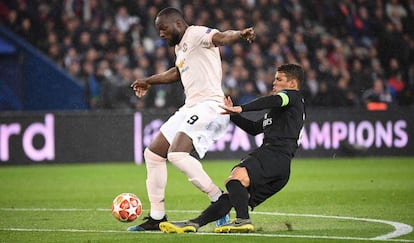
{"type": "Point", "coordinates": [179, 24]}
{"type": "Point", "coordinates": [293, 84]}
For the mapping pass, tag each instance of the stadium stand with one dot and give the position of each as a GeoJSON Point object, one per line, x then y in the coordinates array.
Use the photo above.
{"type": "Point", "coordinates": [348, 48]}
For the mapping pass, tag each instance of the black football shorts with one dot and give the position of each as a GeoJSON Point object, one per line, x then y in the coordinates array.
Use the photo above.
{"type": "Point", "coordinates": [268, 171]}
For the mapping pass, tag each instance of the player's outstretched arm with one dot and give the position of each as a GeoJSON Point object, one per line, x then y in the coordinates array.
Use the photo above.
{"type": "Point", "coordinates": [229, 108]}
{"type": "Point", "coordinates": [229, 37]}
{"type": "Point", "coordinates": [141, 86]}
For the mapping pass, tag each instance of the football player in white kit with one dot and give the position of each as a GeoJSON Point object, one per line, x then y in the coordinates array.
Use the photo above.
{"type": "Point", "coordinates": [198, 123]}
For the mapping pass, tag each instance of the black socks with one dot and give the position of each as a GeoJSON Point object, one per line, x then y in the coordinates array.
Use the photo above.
{"type": "Point", "coordinates": [239, 198]}
{"type": "Point", "coordinates": [215, 211]}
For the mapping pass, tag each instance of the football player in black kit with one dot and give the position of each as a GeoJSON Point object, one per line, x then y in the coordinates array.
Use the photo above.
{"type": "Point", "coordinates": [265, 170]}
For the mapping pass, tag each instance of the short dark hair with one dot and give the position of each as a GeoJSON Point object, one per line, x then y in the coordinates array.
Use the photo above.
{"type": "Point", "coordinates": [292, 71]}
{"type": "Point", "coordinates": [169, 12]}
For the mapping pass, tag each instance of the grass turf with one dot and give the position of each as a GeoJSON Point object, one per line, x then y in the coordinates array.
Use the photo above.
{"type": "Point", "coordinates": [71, 203]}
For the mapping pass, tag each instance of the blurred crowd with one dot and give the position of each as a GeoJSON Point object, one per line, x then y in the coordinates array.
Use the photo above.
{"type": "Point", "coordinates": [354, 52]}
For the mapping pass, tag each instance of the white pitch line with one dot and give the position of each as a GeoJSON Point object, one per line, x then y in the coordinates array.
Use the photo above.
{"type": "Point", "coordinates": [206, 233]}
{"type": "Point", "coordinates": [400, 228]}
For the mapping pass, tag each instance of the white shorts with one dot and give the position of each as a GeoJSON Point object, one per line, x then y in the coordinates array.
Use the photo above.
{"type": "Point", "coordinates": [203, 123]}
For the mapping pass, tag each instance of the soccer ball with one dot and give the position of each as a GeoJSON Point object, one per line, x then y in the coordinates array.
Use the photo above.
{"type": "Point", "coordinates": [126, 207]}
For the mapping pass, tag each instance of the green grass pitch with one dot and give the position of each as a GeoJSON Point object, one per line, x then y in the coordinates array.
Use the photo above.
{"type": "Point", "coordinates": [326, 200]}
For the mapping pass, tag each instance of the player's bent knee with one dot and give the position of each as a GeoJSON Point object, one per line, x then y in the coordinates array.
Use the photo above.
{"type": "Point", "coordinates": [175, 157]}
{"type": "Point", "coordinates": [240, 174]}
{"type": "Point", "coordinates": [183, 161]}
{"type": "Point", "coordinates": [194, 171]}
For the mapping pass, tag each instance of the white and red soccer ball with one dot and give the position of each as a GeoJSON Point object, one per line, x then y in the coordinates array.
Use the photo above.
{"type": "Point", "coordinates": [126, 207]}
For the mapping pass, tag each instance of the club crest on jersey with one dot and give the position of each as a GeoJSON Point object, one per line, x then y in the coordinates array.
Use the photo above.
{"type": "Point", "coordinates": [181, 67]}
{"type": "Point", "coordinates": [180, 64]}
{"type": "Point", "coordinates": [185, 47]}
{"type": "Point", "coordinates": [267, 121]}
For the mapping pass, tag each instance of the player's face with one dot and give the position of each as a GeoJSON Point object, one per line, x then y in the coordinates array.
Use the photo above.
{"type": "Point", "coordinates": [281, 82]}
{"type": "Point", "coordinates": [167, 31]}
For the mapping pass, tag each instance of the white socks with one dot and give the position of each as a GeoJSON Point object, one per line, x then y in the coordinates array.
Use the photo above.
{"type": "Point", "coordinates": [156, 182]}
{"type": "Point", "coordinates": [157, 178]}
{"type": "Point", "coordinates": [193, 169]}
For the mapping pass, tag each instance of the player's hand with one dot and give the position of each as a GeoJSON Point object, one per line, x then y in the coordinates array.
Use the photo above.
{"type": "Point", "coordinates": [248, 34]}
{"type": "Point", "coordinates": [229, 108]}
{"type": "Point", "coordinates": [140, 87]}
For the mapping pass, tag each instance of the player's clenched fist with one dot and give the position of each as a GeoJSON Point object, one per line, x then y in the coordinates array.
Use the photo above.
{"type": "Point", "coordinates": [248, 34]}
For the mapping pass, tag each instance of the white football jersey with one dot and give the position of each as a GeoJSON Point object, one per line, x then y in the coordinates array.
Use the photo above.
{"type": "Point", "coordinates": [199, 63]}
